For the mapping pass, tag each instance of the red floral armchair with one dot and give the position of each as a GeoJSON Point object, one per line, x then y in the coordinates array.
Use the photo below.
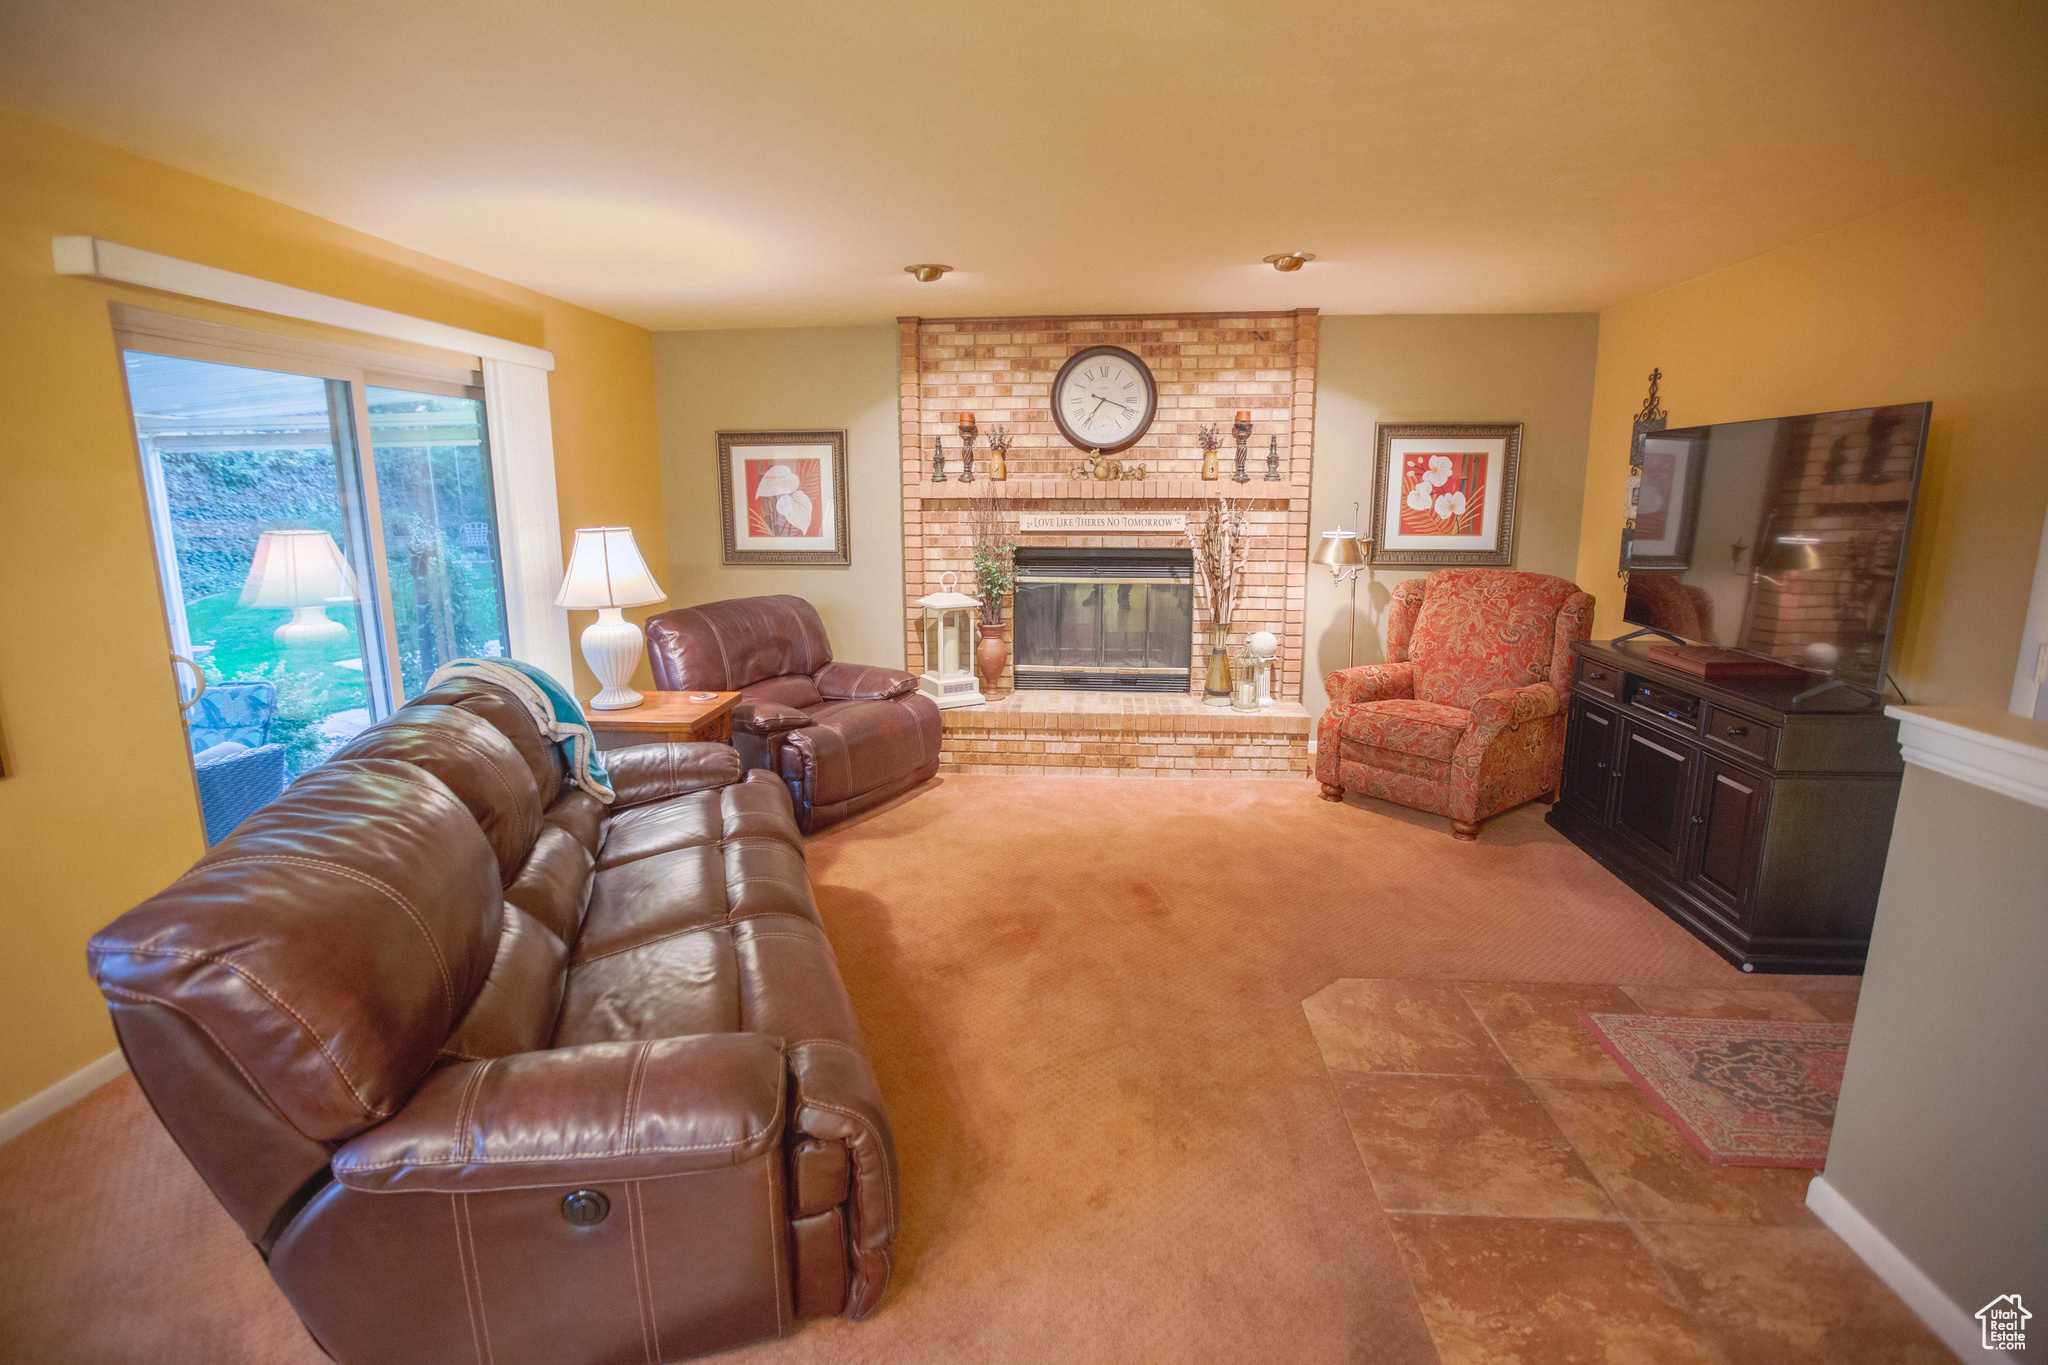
{"type": "Point", "coordinates": [1468, 719]}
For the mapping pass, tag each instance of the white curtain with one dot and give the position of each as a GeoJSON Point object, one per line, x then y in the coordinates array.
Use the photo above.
{"type": "Point", "coordinates": [529, 525]}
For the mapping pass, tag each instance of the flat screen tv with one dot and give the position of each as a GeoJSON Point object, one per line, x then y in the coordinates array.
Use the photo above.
{"type": "Point", "coordinates": [1783, 538]}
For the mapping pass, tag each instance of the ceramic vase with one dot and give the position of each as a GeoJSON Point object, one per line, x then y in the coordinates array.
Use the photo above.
{"type": "Point", "coordinates": [999, 465]}
{"type": "Point", "coordinates": [1209, 469]}
{"type": "Point", "coordinates": [992, 654]}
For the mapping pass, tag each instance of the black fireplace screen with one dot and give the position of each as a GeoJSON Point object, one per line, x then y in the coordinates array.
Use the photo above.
{"type": "Point", "coordinates": [1104, 620]}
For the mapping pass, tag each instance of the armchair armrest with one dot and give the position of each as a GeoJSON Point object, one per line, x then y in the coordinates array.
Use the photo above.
{"type": "Point", "coordinates": [859, 682]}
{"type": "Point", "coordinates": [1370, 682]}
{"type": "Point", "coordinates": [1507, 710]}
{"type": "Point", "coordinates": [768, 717]}
{"type": "Point", "coordinates": [578, 1116]}
{"type": "Point", "coordinates": [654, 772]}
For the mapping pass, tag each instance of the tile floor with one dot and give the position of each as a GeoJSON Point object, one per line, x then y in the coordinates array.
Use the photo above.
{"type": "Point", "coordinates": [1546, 1213]}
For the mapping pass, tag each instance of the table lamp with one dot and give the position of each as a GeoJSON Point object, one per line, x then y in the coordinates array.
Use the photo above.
{"type": "Point", "coordinates": [606, 572]}
{"type": "Point", "coordinates": [303, 570]}
{"type": "Point", "coordinates": [1344, 553]}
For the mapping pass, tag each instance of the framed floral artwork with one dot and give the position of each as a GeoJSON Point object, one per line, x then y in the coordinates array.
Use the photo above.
{"type": "Point", "coordinates": [1444, 493]}
{"type": "Point", "coordinates": [782, 496]}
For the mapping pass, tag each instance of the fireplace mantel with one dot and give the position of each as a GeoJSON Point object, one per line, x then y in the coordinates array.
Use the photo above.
{"type": "Point", "coordinates": [1207, 366]}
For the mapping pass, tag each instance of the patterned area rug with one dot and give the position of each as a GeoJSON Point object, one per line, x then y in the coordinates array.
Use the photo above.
{"type": "Point", "coordinates": [1744, 1092]}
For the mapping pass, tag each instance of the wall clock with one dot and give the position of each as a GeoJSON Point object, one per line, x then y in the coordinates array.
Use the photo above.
{"type": "Point", "coordinates": [1104, 399]}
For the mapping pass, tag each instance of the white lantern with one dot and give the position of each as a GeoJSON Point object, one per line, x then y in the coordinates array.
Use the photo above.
{"type": "Point", "coordinates": [949, 637]}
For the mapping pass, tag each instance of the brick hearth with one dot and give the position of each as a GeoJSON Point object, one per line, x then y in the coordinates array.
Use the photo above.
{"type": "Point", "coordinates": [1120, 734]}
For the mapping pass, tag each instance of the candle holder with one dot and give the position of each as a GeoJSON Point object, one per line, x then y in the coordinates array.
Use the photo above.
{"type": "Point", "coordinates": [938, 461]}
{"type": "Point", "coordinates": [1242, 430]}
{"type": "Point", "coordinates": [968, 430]}
{"type": "Point", "coordinates": [1273, 459]}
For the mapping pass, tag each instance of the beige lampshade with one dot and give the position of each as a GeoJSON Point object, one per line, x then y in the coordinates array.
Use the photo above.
{"type": "Point", "coordinates": [606, 570]}
{"type": "Point", "coordinates": [1340, 550]}
{"type": "Point", "coordinates": [298, 569]}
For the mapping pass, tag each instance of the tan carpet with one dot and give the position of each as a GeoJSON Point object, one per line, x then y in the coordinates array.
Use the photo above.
{"type": "Point", "coordinates": [1118, 1140]}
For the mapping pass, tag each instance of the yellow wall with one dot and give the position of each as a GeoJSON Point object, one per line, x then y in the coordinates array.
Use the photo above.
{"type": "Point", "coordinates": [97, 808]}
{"type": "Point", "coordinates": [1945, 299]}
{"type": "Point", "coordinates": [804, 378]}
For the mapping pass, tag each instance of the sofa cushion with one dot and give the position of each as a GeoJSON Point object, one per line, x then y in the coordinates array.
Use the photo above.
{"type": "Point", "coordinates": [1425, 729]}
{"type": "Point", "coordinates": [515, 1011]}
{"type": "Point", "coordinates": [553, 885]}
{"type": "Point", "coordinates": [797, 691]}
{"type": "Point", "coordinates": [789, 983]}
{"type": "Point", "coordinates": [1484, 630]}
{"type": "Point", "coordinates": [678, 984]}
{"type": "Point", "coordinates": [509, 717]}
{"type": "Point", "coordinates": [725, 646]}
{"type": "Point", "coordinates": [330, 966]}
{"type": "Point", "coordinates": [477, 762]}
{"type": "Point", "coordinates": [663, 827]}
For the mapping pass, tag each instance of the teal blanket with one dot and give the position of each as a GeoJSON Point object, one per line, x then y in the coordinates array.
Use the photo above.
{"type": "Point", "coordinates": [553, 707]}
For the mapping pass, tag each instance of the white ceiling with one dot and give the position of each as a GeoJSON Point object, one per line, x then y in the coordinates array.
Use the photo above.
{"type": "Point", "coordinates": [689, 165]}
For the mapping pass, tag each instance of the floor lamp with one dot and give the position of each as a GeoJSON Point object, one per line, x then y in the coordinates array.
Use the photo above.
{"type": "Point", "coordinates": [1344, 552]}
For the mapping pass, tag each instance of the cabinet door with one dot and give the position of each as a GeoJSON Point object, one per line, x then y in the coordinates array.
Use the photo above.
{"type": "Point", "coordinates": [1653, 806]}
{"type": "Point", "coordinates": [1729, 815]}
{"type": "Point", "coordinates": [1589, 759]}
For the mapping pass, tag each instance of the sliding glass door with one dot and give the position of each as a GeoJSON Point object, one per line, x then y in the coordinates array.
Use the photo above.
{"type": "Point", "coordinates": [326, 538]}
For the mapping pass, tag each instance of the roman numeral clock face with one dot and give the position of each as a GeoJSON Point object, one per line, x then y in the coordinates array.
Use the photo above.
{"type": "Point", "coordinates": [1104, 399]}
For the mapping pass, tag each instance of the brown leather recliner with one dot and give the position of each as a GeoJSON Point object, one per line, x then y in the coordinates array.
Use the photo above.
{"type": "Point", "coordinates": [845, 737]}
{"type": "Point", "coordinates": [490, 1071]}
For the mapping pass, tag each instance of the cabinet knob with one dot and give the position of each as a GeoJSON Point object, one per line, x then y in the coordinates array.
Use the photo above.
{"type": "Point", "coordinates": [1699, 819]}
{"type": "Point", "coordinates": [1738, 729]}
{"type": "Point", "coordinates": [1597, 677]}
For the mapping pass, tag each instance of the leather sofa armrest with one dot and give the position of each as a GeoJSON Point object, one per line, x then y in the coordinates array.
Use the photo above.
{"type": "Point", "coordinates": [578, 1116]}
{"type": "Point", "coordinates": [654, 772]}
{"type": "Point", "coordinates": [1370, 682]}
{"type": "Point", "coordinates": [1506, 710]}
{"type": "Point", "coordinates": [835, 1097]}
{"type": "Point", "coordinates": [860, 682]}
{"type": "Point", "coordinates": [768, 717]}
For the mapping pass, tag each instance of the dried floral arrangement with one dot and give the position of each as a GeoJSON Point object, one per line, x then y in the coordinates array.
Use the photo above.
{"type": "Point", "coordinates": [997, 439]}
{"type": "Point", "coordinates": [1210, 437]}
{"type": "Point", "coordinates": [995, 556]}
{"type": "Point", "coordinates": [1222, 547]}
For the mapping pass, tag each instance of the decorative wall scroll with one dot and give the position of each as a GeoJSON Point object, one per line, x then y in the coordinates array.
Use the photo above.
{"type": "Point", "coordinates": [1101, 523]}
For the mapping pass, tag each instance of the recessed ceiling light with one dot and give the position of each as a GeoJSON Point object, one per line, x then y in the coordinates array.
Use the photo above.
{"type": "Point", "coordinates": [1292, 260]}
{"type": "Point", "coordinates": [926, 273]}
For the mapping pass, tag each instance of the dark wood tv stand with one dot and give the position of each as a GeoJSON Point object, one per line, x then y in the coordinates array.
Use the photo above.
{"type": "Point", "coordinates": [1759, 824]}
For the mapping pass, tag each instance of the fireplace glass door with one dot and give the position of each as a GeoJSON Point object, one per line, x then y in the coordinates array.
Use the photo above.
{"type": "Point", "coordinates": [1122, 621]}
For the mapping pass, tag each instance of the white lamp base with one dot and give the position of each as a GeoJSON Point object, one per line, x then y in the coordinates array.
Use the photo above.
{"type": "Point", "coordinates": [611, 646]}
{"type": "Point", "coordinates": [307, 626]}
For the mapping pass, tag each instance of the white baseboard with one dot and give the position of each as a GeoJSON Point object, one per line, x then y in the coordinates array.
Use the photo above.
{"type": "Point", "coordinates": [62, 1095]}
{"type": "Point", "coordinates": [1958, 1331]}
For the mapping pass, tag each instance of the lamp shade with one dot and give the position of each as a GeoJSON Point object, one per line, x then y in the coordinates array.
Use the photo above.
{"type": "Point", "coordinates": [1340, 550]}
{"type": "Point", "coordinates": [298, 569]}
{"type": "Point", "coordinates": [606, 570]}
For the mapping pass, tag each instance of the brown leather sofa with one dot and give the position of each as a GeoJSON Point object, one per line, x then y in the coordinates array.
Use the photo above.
{"type": "Point", "coordinates": [490, 1071]}
{"type": "Point", "coordinates": [845, 737]}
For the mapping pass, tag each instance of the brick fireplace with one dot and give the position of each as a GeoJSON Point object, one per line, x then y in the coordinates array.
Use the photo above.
{"type": "Point", "coordinates": [1207, 367]}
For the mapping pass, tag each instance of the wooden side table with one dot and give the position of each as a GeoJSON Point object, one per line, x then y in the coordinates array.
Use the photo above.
{"type": "Point", "coordinates": [666, 717]}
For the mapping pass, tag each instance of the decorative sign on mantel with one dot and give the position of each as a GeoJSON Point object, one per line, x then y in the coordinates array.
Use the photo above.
{"type": "Point", "coordinates": [1100, 523]}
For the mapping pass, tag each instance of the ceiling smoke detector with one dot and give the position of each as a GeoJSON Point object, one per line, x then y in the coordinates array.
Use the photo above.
{"type": "Point", "coordinates": [1289, 261]}
{"type": "Point", "coordinates": [925, 274]}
